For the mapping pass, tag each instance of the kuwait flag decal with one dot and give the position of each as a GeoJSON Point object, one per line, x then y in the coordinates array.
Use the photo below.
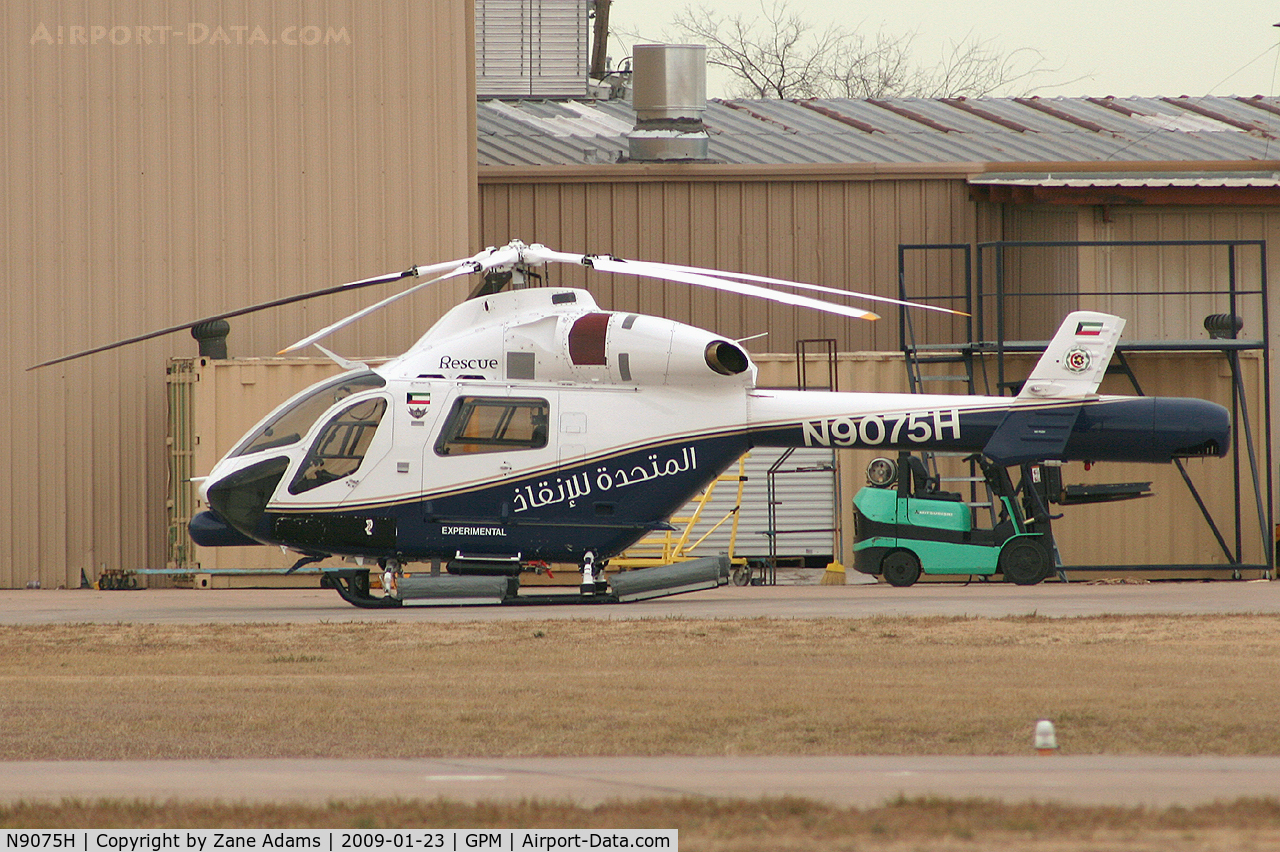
{"type": "Point", "coordinates": [418, 404]}
{"type": "Point", "coordinates": [1089, 329]}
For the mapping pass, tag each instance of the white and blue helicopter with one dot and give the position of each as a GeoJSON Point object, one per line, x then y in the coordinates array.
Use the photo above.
{"type": "Point", "coordinates": [530, 426]}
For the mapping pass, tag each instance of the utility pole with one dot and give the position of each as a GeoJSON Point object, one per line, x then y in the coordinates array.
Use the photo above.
{"type": "Point", "coordinates": [600, 41]}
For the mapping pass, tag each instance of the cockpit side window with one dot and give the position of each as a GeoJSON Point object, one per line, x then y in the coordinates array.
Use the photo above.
{"type": "Point", "coordinates": [289, 425]}
{"type": "Point", "coordinates": [492, 424]}
{"type": "Point", "coordinates": [341, 446]}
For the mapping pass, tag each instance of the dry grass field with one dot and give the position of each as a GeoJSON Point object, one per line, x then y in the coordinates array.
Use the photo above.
{"type": "Point", "coordinates": [1144, 685]}
{"type": "Point", "coordinates": [910, 686]}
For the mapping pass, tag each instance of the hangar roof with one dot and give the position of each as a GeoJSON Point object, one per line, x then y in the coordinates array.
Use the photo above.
{"type": "Point", "coordinates": [1268, 179]}
{"type": "Point", "coordinates": [901, 130]}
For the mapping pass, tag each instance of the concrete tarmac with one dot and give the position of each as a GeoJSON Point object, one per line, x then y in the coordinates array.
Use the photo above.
{"type": "Point", "coordinates": [862, 781]}
{"type": "Point", "coordinates": [844, 781]}
{"type": "Point", "coordinates": [310, 606]}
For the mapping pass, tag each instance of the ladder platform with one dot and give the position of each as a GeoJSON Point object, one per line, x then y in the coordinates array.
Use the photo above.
{"type": "Point", "coordinates": [936, 359]}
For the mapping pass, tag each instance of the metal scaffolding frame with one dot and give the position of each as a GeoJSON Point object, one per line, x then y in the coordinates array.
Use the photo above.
{"type": "Point", "coordinates": [988, 311]}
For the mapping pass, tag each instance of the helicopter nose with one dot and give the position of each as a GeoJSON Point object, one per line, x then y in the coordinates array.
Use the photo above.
{"type": "Point", "coordinates": [241, 497]}
{"type": "Point", "coordinates": [207, 529]}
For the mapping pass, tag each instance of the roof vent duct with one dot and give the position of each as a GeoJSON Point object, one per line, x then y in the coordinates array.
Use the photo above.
{"type": "Point", "coordinates": [669, 95]}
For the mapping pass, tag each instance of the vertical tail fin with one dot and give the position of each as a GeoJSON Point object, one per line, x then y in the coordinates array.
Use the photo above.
{"type": "Point", "coordinates": [1077, 358]}
{"type": "Point", "coordinates": [1070, 369]}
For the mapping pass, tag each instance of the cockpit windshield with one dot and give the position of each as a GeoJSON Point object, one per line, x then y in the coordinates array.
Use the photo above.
{"type": "Point", "coordinates": [296, 419]}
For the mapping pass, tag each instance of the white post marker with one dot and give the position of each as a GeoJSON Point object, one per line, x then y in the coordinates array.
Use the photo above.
{"type": "Point", "coordinates": [1046, 738]}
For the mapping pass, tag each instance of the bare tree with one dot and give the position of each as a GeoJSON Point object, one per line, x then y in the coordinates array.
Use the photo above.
{"type": "Point", "coordinates": [974, 68]}
{"type": "Point", "coordinates": [878, 66]}
{"type": "Point", "coordinates": [778, 54]}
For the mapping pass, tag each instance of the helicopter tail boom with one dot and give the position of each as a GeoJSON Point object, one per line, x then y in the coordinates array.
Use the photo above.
{"type": "Point", "coordinates": [1121, 429]}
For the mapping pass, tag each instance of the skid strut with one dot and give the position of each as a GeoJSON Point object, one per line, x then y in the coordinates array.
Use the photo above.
{"type": "Point", "coordinates": [594, 581]}
{"type": "Point", "coordinates": [390, 576]}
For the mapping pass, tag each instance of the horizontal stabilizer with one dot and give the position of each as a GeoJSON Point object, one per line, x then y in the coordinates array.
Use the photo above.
{"type": "Point", "coordinates": [1073, 365]}
{"type": "Point", "coordinates": [1032, 434]}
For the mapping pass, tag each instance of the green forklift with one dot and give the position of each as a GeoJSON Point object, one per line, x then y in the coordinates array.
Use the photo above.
{"type": "Point", "coordinates": [905, 526]}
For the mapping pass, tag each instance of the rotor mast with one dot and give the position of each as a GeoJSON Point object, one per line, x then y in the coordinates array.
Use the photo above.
{"type": "Point", "coordinates": [513, 276]}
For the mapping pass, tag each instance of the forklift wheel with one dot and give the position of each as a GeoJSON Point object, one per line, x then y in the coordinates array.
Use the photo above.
{"type": "Point", "coordinates": [1025, 561]}
{"type": "Point", "coordinates": [900, 568]}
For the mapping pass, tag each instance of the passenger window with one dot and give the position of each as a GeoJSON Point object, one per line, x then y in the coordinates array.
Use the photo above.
{"type": "Point", "coordinates": [490, 425]}
{"type": "Point", "coordinates": [341, 446]}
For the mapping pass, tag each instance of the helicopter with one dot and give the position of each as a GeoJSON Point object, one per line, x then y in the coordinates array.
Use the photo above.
{"type": "Point", "coordinates": [529, 426]}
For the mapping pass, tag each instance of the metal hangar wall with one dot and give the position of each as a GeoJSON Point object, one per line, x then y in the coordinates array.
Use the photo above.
{"type": "Point", "coordinates": [160, 168]}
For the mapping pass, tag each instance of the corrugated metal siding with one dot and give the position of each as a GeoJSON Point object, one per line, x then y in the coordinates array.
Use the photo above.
{"type": "Point", "coordinates": [844, 231]}
{"type": "Point", "coordinates": [1181, 270]}
{"type": "Point", "coordinates": [805, 494]}
{"type": "Point", "coordinates": [146, 184]}
{"type": "Point", "coordinates": [531, 48]}
{"type": "Point", "coordinates": [1032, 270]}
{"type": "Point", "coordinates": [841, 233]}
{"type": "Point", "coordinates": [1162, 286]}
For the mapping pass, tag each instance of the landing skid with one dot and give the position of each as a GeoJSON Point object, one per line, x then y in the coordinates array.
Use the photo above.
{"type": "Point", "coordinates": [449, 590]}
{"type": "Point", "coordinates": [353, 585]}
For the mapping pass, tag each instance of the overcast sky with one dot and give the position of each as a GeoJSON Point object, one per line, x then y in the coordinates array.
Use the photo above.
{"type": "Point", "coordinates": [1092, 47]}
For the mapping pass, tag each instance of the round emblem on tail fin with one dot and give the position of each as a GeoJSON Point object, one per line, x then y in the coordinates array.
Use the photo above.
{"type": "Point", "coordinates": [1077, 360]}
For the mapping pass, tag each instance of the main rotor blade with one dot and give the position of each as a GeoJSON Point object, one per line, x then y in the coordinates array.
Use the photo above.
{"type": "Point", "coordinates": [668, 273]}
{"type": "Point", "coordinates": [541, 254]}
{"type": "Point", "coordinates": [481, 262]}
{"type": "Point", "coordinates": [364, 312]}
{"type": "Point", "coordinates": [412, 272]}
{"type": "Point", "coordinates": [835, 291]}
